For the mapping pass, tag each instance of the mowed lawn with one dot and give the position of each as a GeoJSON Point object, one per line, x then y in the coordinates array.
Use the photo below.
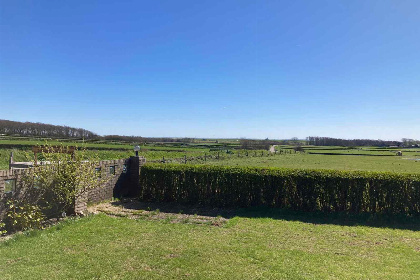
{"type": "Point", "coordinates": [104, 247]}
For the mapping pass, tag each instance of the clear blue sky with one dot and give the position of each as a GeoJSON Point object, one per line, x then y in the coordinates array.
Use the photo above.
{"type": "Point", "coordinates": [255, 69]}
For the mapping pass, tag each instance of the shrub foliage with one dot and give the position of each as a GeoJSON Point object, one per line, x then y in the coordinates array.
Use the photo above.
{"type": "Point", "coordinates": [23, 216]}
{"type": "Point", "coordinates": [298, 189]}
{"type": "Point", "coordinates": [50, 190]}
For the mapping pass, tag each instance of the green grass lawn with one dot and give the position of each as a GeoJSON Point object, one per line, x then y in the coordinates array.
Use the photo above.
{"type": "Point", "coordinates": [103, 247]}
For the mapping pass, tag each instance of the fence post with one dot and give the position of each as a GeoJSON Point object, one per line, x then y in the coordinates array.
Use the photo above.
{"type": "Point", "coordinates": [185, 159]}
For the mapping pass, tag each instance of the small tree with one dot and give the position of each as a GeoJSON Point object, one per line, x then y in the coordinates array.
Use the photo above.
{"type": "Point", "coordinates": [298, 147]}
{"type": "Point", "coordinates": [52, 187]}
{"type": "Point", "coordinates": [64, 178]}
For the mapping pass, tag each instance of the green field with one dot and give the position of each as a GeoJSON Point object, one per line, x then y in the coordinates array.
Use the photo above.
{"type": "Point", "coordinates": [315, 157]}
{"type": "Point", "coordinates": [151, 155]}
{"type": "Point", "coordinates": [408, 163]}
{"type": "Point", "coordinates": [270, 247]}
{"type": "Point", "coordinates": [255, 243]}
{"type": "Point", "coordinates": [21, 148]}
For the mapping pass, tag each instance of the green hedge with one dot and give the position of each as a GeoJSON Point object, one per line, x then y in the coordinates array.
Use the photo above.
{"type": "Point", "coordinates": [299, 189]}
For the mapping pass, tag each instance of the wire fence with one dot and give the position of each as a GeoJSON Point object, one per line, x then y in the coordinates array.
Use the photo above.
{"type": "Point", "coordinates": [226, 155]}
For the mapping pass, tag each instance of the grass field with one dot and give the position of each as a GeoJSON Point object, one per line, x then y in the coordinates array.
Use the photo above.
{"type": "Point", "coordinates": [267, 247]}
{"type": "Point", "coordinates": [315, 157]}
{"type": "Point", "coordinates": [249, 244]}
{"type": "Point", "coordinates": [150, 154]}
{"type": "Point", "coordinates": [21, 149]}
{"type": "Point", "coordinates": [391, 163]}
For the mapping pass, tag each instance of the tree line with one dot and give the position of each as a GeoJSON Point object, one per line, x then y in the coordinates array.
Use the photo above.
{"type": "Point", "coordinates": [139, 139]}
{"type": "Point", "coordinates": [327, 141]}
{"type": "Point", "coordinates": [58, 131]}
{"type": "Point", "coordinates": [44, 130]}
{"type": "Point", "coordinates": [252, 144]}
{"type": "Point", "coordinates": [407, 142]}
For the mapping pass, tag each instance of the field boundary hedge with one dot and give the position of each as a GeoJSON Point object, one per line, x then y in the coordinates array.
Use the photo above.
{"type": "Point", "coordinates": [298, 189]}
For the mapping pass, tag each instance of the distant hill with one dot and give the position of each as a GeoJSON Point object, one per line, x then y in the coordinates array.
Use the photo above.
{"type": "Point", "coordinates": [44, 130]}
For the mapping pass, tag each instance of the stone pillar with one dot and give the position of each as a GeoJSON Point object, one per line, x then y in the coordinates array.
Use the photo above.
{"type": "Point", "coordinates": [80, 204]}
{"type": "Point", "coordinates": [134, 164]}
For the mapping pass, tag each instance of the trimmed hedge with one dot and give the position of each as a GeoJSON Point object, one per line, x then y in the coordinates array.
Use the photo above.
{"type": "Point", "coordinates": [298, 189]}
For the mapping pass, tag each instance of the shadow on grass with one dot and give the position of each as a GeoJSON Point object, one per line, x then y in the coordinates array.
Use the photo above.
{"type": "Point", "coordinates": [338, 154]}
{"type": "Point", "coordinates": [342, 219]}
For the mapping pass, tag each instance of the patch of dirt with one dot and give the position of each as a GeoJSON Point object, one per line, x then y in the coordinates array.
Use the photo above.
{"type": "Point", "coordinates": [5, 237]}
{"type": "Point", "coordinates": [171, 213]}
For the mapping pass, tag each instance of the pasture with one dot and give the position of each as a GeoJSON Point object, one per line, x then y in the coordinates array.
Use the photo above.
{"type": "Point", "coordinates": [362, 160]}
{"type": "Point", "coordinates": [209, 152]}
{"type": "Point", "coordinates": [104, 150]}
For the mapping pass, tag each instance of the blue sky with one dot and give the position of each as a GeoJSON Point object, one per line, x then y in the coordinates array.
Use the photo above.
{"type": "Point", "coordinates": [255, 69]}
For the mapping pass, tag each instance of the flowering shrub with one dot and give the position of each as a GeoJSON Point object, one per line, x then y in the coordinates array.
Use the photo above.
{"type": "Point", "coordinates": [2, 230]}
{"type": "Point", "coordinates": [23, 216]}
{"type": "Point", "coordinates": [63, 179]}
{"type": "Point", "coordinates": [51, 188]}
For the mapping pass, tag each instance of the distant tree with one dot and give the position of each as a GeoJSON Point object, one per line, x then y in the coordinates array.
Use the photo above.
{"type": "Point", "coordinates": [244, 144]}
{"type": "Point", "coordinates": [248, 144]}
{"type": "Point", "coordinates": [327, 141]}
{"type": "Point", "coordinates": [294, 140]}
{"type": "Point", "coordinates": [44, 130]}
{"type": "Point", "coordinates": [407, 142]}
{"type": "Point", "coordinates": [298, 148]}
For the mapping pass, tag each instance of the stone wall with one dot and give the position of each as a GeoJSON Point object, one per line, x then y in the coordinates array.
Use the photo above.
{"type": "Point", "coordinates": [122, 182]}
{"type": "Point", "coordinates": [7, 177]}
{"type": "Point", "coordinates": [118, 170]}
{"type": "Point", "coordinates": [113, 168]}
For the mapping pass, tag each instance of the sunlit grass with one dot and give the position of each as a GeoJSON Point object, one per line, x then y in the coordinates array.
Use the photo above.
{"type": "Point", "coordinates": [405, 164]}
{"type": "Point", "coordinates": [103, 247]}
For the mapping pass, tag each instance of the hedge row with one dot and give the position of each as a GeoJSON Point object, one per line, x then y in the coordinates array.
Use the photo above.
{"type": "Point", "coordinates": [299, 189]}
